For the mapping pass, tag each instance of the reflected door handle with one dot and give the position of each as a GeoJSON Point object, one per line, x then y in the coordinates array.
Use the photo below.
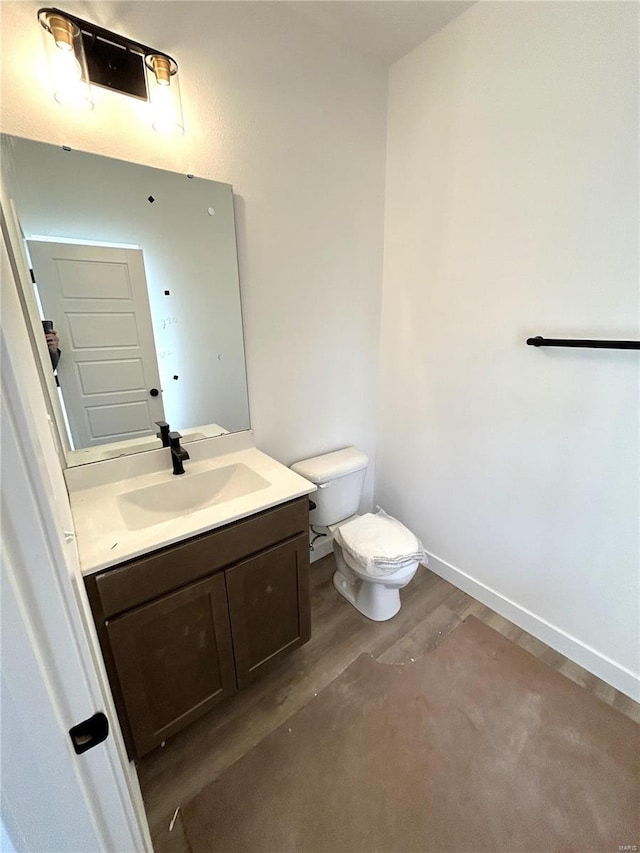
{"type": "Point", "coordinates": [154, 392]}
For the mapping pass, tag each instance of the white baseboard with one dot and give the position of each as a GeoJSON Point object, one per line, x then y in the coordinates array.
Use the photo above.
{"type": "Point", "coordinates": [600, 665]}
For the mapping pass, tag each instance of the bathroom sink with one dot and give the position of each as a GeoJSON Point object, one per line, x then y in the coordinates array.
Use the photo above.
{"type": "Point", "coordinates": [187, 493]}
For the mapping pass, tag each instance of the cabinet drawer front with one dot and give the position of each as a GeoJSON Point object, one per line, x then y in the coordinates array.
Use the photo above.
{"type": "Point", "coordinates": [174, 660]}
{"type": "Point", "coordinates": [269, 606]}
{"type": "Point", "coordinates": [144, 579]}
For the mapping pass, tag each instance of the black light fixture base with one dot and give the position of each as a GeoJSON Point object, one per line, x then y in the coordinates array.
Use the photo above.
{"type": "Point", "coordinates": [115, 66]}
{"type": "Point", "coordinates": [113, 61]}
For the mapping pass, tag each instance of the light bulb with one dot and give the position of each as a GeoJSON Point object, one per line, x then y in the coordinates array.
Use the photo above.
{"type": "Point", "coordinates": [164, 95]}
{"type": "Point", "coordinates": [67, 63]}
{"type": "Point", "coordinates": [69, 87]}
{"type": "Point", "coordinates": [165, 119]}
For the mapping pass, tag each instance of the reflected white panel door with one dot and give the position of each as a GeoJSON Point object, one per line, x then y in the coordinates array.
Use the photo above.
{"type": "Point", "coordinates": [108, 370]}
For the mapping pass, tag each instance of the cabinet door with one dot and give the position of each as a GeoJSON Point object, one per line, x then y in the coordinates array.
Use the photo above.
{"type": "Point", "coordinates": [173, 659]}
{"type": "Point", "coordinates": [269, 606]}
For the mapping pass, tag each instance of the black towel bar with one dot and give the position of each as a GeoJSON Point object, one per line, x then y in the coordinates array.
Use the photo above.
{"type": "Point", "coordinates": [539, 341]}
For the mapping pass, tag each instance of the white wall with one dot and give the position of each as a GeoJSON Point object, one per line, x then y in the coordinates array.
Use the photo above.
{"type": "Point", "coordinates": [297, 124]}
{"type": "Point", "coordinates": [512, 210]}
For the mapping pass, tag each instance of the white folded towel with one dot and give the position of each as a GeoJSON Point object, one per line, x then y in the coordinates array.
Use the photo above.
{"type": "Point", "coordinates": [379, 543]}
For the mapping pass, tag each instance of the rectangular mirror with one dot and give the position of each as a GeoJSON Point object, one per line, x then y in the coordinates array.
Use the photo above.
{"type": "Point", "coordinates": [136, 273]}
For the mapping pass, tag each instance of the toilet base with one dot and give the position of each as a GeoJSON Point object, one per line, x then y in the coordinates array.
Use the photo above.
{"type": "Point", "coordinates": [374, 600]}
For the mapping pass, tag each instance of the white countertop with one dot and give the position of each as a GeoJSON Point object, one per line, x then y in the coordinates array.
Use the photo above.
{"type": "Point", "coordinates": [103, 538]}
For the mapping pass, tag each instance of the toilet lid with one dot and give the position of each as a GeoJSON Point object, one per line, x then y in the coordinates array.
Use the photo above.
{"type": "Point", "coordinates": [381, 545]}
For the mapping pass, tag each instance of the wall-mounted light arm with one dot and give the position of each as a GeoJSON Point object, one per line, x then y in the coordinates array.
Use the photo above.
{"type": "Point", "coordinates": [109, 60]}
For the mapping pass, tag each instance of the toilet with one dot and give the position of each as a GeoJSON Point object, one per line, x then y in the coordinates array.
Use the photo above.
{"type": "Point", "coordinates": [375, 554]}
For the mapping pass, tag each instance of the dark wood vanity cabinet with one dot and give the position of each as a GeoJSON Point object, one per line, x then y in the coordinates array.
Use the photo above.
{"type": "Point", "coordinates": [173, 659]}
{"type": "Point", "coordinates": [185, 627]}
{"type": "Point", "coordinates": [265, 595]}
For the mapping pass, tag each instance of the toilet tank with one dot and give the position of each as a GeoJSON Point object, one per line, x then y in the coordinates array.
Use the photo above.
{"type": "Point", "coordinates": [339, 477]}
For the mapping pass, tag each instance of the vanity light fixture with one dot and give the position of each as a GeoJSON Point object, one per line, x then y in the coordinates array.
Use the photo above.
{"type": "Point", "coordinates": [82, 54]}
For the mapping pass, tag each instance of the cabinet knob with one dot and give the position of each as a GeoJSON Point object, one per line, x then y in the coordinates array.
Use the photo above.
{"type": "Point", "coordinates": [269, 589]}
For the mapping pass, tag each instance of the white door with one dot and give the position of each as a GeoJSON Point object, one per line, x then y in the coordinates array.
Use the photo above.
{"type": "Point", "coordinates": [51, 672]}
{"type": "Point", "coordinates": [108, 370]}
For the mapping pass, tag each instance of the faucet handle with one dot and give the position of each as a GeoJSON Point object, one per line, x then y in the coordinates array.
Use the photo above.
{"type": "Point", "coordinates": [174, 440]}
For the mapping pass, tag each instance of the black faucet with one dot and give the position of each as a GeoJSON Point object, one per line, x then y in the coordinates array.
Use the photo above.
{"type": "Point", "coordinates": [178, 454]}
{"type": "Point", "coordinates": [164, 432]}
